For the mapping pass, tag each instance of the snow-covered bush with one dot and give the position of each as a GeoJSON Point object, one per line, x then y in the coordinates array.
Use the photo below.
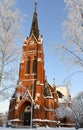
{"type": "Point", "coordinates": [64, 111]}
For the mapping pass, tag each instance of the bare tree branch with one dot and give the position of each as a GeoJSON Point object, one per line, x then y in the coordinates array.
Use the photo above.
{"type": "Point", "coordinates": [10, 30]}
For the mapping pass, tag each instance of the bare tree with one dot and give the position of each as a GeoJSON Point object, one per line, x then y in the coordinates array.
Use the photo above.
{"type": "Point", "coordinates": [72, 50]}
{"type": "Point", "coordinates": [77, 108]}
{"type": "Point", "coordinates": [10, 30]}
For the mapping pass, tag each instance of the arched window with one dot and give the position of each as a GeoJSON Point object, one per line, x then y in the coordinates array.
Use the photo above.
{"type": "Point", "coordinates": [35, 65]}
{"type": "Point", "coordinates": [28, 66]}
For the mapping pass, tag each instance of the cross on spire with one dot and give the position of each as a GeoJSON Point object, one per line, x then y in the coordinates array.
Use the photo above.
{"type": "Point", "coordinates": [36, 4]}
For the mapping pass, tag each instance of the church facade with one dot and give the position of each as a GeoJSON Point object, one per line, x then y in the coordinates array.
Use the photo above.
{"type": "Point", "coordinates": [34, 100]}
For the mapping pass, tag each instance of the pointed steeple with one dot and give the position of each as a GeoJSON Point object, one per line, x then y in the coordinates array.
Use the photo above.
{"type": "Point", "coordinates": [34, 27]}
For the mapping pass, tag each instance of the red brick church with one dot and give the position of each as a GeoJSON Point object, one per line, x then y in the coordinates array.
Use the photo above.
{"type": "Point", "coordinates": [34, 100]}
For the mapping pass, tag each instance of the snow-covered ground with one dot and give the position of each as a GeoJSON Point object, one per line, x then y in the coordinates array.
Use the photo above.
{"type": "Point", "coordinates": [41, 128]}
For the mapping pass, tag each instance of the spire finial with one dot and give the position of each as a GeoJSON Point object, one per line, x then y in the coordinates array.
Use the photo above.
{"type": "Point", "coordinates": [36, 4]}
{"type": "Point", "coordinates": [54, 81]}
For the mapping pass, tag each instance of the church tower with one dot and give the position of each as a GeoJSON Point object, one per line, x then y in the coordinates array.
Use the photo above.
{"type": "Point", "coordinates": [32, 101]}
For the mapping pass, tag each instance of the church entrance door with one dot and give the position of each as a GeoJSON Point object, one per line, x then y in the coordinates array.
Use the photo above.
{"type": "Point", "coordinates": [27, 115]}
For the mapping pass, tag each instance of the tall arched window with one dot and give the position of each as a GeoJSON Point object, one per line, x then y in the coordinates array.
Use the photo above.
{"type": "Point", "coordinates": [35, 66]}
{"type": "Point", "coordinates": [28, 66]}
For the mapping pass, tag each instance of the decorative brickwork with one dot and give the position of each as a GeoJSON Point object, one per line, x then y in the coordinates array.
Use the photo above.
{"type": "Point", "coordinates": [34, 100]}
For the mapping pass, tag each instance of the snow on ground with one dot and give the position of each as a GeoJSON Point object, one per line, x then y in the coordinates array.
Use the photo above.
{"type": "Point", "coordinates": [41, 128]}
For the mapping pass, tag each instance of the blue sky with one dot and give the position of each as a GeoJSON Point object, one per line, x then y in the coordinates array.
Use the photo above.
{"type": "Point", "coordinates": [51, 15]}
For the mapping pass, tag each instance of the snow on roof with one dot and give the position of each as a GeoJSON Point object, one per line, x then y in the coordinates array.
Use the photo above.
{"type": "Point", "coordinates": [44, 120]}
{"type": "Point", "coordinates": [64, 90]}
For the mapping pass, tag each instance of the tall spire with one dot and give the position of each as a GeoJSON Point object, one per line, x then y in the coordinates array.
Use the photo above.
{"type": "Point", "coordinates": [34, 27]}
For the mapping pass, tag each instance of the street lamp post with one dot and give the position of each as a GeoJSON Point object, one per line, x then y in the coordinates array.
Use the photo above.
{"type": "Point", "coordinates": [32, 101]}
